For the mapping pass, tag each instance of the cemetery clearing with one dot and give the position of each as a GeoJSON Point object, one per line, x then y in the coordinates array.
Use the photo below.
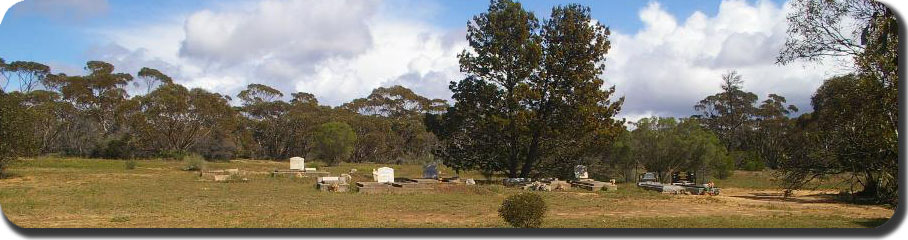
{"type": "Point", "coordinates": [75, 193]}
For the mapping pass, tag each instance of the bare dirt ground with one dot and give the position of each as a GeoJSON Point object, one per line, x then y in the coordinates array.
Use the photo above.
{"type": "Point", "coordinates": [737, 202]}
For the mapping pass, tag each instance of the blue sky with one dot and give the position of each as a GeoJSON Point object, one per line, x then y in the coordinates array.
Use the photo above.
{"type": "Point", "coordinates": [666, 54]}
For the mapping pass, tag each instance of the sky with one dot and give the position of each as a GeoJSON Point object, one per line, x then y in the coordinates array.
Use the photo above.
{"type": "Point", "coordinates": [666, 55]}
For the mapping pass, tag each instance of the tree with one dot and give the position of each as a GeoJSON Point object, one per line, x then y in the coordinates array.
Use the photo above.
{"type": "Point", "coordinates": [620, 158]}
{"type": "Point", "coordinates": [52, 118]}
{"type": "Point", "coordinates": [334, 142]}
{"type": "Point", "coordinates": [174, 118]}
{"type": "Point", "coordinates": [815, 32]}
{"type": "Point", "coordinates": [532, 95]}
{"type": "Point", "coordinates": [152, 78]}
{"type": "Point", "coordinates": [753, 133]}
{"type": "Point", "coordinates": [29, 74]}
{"type": "Point", "coordinates": [665, 145]}
{"type": "Point", "coordinates": [401, 110]}
{"type": "Point", "coordinates": [730, 113]}
{"type": "Point", "coordinates": [267, 119]}
{"type": "Point", "coordinates": [772, 128]}
{"type": "Point", "coordinates": [15, 130]}
{"type": "Point", "coordinates": [5, 75]}
{"type": "Point", "coordinates": [98, 94]}
{"type": "Point", "coordinates": [851, 136]}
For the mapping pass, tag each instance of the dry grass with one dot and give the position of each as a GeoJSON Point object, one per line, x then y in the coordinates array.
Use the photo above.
{"type": "Point", "coordinates": [51, 192]}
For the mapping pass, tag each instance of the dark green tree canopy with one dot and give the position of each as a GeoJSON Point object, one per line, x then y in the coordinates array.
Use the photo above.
{"type": "Point", "coordinates": [334, 142]}
{"type": "Point", "coordinates": [532, 95]}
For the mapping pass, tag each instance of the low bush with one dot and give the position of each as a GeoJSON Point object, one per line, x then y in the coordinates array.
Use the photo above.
{"type": "Point", "coordinates": [523, 210]}
{"type": "Point", "coordinates": [131, 164]}
{"type": "Point", "coordinates": [194, 162]}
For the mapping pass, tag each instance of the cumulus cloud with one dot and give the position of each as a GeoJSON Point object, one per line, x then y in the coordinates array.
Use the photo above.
{"type": "Point", "coordinates": [669, 65]}
{"type": "Point", "coordinates": [63, 10]}
{"type": "Point", "coordinates": [337, 50]}
{"type": "Point", "coordinates": [341, 50]}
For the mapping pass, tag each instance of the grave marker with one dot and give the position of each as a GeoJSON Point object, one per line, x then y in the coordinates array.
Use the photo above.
{"type": "Point", "coordinates": [430, 171]}
{"type": "Point", "coordinates": [580, 172]}
{"type": "Point", "coordinates": [383, 175]}
{"type": "Point", "coordinates": [297, 163]}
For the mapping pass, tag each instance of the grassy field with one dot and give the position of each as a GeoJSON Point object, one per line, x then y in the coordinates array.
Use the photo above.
{"type": "Point", "coordinates": [54, 192]}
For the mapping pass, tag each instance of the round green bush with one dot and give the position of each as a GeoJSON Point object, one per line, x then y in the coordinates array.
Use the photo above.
{"type": "Point", "coordinates": [131, 164]}
{"type": "Point", "coordinates": [523, 210]}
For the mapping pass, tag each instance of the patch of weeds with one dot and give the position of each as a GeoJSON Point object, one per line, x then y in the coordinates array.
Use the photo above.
{"type": "Point", "coordinates": [120, 219]}
{"type": "Point", "coordinates": [194, 162]}
{"type": "Point", "coordinates": [131, 164]}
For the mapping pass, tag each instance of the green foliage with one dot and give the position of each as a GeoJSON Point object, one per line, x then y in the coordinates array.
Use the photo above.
{"type": "Point", "coordinates": [115, 148]}
{"type": "Point", "coordinates": [173, 155]}
{"type": "Point", "coordinates": [390, 126]}
{"type": "Point", "coordinates": [722, 167]}
{"type": "Point", "coordinates": [854, 127]}
{"type": "Point", "coordinates": [523, 210]}
{"type": "Point", "coordinates": [334, 142]}
{"type": "Point", "coordinates": [194, 162]}
{"type": "Point", "coordinates": [131, 164]}
{"type": "Point", "coordinates": [666, 145]}
{"type": "Point", "coordinates": [15, 130]}
{"type": "Point", "coordinates": [532, 95]}
{"type": "Point", "coordinates": [750, 162]}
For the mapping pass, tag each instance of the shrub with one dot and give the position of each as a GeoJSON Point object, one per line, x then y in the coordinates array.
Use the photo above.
{"type": "Point", "coordinates": [334, 142]}
{"type": "Point", "coordinates": [722, 167]}
{"type": "Point", "coordinates": [131, 164]}
{"type": "Point", "coordinates": [523, 210]}
{"type": "Point", "coordinates": [114, 148]}
{"type": "Point", "coordinates": [194, 162]}
{"type": "Point", "coordinates": [753, 165]}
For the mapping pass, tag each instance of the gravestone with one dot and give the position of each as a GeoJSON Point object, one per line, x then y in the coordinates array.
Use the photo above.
{"type": "Point", "coordinates": [329, 179]}
{"type": "Point", "coordinates": [648, 177]}
{"type": "Point", "coordinates": [383, 175]}
{"type": "Point", "coordinates": [297, 163]}
{"type": "Point", "coordinates": [580, 172]}
{"type": "Point", "coordinates": [333, 184]}
{"type": "Point", "coordinates": [430, 171]}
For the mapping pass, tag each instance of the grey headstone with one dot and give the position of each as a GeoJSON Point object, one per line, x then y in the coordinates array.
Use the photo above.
{"type": "Point", "coordinates": [430, 171]}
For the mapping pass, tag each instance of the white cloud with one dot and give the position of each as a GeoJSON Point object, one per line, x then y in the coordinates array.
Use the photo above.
{"type": "Point", "coordinates": [668, 66]}
{"type": "Point", "coordinates": [342, 50]}
{"type": "Point", "coordinates": [337, 50]}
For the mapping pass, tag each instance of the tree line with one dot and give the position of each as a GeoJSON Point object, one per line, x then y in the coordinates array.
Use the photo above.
{"type": "Point", "coordinates": [92, 115]}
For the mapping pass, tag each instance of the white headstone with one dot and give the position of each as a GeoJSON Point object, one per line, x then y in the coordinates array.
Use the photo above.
{"type": "Point", "coordinates": [297, 163]}
{"type": "Point", "coordinates": [384, 175]}
{"type": "Point", "coordinates": [328, 179]}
